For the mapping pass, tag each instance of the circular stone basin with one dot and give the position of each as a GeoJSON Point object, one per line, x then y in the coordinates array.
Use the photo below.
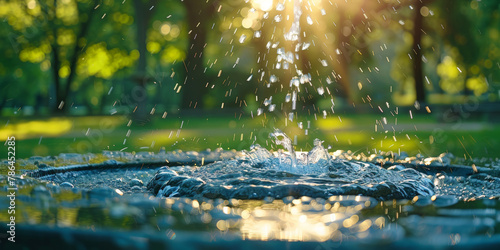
{"type": "Point", "coordinates": [222, 198]}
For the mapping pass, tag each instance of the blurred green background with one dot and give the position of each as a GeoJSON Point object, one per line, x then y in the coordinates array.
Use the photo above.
{"type": "Point", "coordinates": [394, 75]}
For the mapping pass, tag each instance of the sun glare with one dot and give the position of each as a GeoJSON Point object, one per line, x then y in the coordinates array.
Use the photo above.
{"type": "Point", "coordinates": [264, 5]}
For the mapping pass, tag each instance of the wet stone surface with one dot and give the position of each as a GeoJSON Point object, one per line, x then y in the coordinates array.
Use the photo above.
{"type": "Point", "coordinates": [259, 173]}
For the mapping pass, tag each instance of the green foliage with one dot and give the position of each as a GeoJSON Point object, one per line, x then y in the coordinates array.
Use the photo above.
{"type": "Point", "coordinates": [471, 37]}
{"type": "Point", "coordinates": [354, 48]}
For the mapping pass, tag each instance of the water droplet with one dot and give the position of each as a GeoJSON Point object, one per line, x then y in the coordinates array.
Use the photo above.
{"type": "Point", "coordinates": [305, 78]}
{"type": "Point", "coordinates": [289, 57]}
{"type": "Point", "coordinates": [309, 20]}
{"type": "Point", "coordinates": [272, 107]}
{"type": "Point", "coordinates": [294, 101]}
{"type": "Point", "coordinates": [273, 79]}
{"type": "Point", "coordinates": [321, 90]}
{"type": "Point", "coordinates": [280, 7]}
{"type": "Point", "coordinates": [277, 18]}
{"type": "Point", "coordinates": [249, 78]}
{"type": "Point", "coordinates": [295, 82]}
{"type": "Point", "coordinates": [268, 101]}
{"type": "Point", "coordinates": [257, 34]}
{"type": "Point", "coordinates": [285, 65]}
{"type": "Point", "coordinates": [323, 12]}
{"type": "Point", "coordinates": [242, 38]}
{"type": "Point", "coordinates": [324, 63]}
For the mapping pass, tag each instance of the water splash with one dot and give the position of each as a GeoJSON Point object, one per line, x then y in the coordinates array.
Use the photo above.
{"type": "Point", "coordinates": [318, 153]}
{"type": "Point", "coordinates": [280, 138]}
{"type": "Point", "coordinates": [259, 174]}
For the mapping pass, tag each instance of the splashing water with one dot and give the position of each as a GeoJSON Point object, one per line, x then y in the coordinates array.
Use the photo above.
{"type": "Point", "coordinates": [286, 142]}
{"type": "Point", "coordinates": [294, 33]}
{"type": "Point", "coordinates": [260, 173]}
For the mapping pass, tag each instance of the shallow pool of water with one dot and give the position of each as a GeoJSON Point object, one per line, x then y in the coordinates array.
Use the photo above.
{"type": "Point", "coordinates": [253, 198]}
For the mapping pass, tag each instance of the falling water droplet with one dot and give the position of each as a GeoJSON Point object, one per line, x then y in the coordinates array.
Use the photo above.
{"type": "Point", "coordinates": [285, 65]}
{"type": "Point", "coordinates": [280, 7]}
{"type": "Point", "coordinates": [273, 79]}
{"type": "Point", "coordinates": [272, 107]}
{"type": "Point", "coordinates": [249, 78]}
{"type": "Point", "coordinates": [268, 101]}
{"type": "Point", "coordinates": [305, 78]}
{"type": "Point", "coordinates": [309, 20]}
{"type": "Point", "coordinates": [295, 82]}
{"type": "Point", "coordinates": [242, 38]}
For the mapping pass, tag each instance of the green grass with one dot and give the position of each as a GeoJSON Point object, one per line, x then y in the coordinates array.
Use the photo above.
{"type": "Point", "coordinates": [422, 134]}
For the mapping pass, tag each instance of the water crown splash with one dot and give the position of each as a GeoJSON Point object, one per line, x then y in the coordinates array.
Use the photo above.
{"type": "Point", "coordinates": [286, 142]}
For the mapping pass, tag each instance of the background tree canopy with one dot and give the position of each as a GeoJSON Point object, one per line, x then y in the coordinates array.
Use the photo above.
{"type": "Point", "coordinates": [152, 57]}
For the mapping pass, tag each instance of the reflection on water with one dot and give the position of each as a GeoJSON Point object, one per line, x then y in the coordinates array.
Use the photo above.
{"type": "Point", "coordinates": [444, 220]}
{"type": "Point", "coordinates": [290, 219]}
{"type": "Point", "coordinates": [307, 219]}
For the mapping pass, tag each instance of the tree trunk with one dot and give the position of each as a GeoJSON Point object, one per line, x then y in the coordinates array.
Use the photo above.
{"type": "Point", "coordinates": [143, 15]}
{"type": "Point", "coordinates": [55, 74]}
{"type": "Point", "coordinates": [62, 90]}
{"type": "Point", "coordinates": [195, 86]}
{"type": "Point", "coordinates": [418, 74]}
{"type": "Point", "coordinates": [84, 27]}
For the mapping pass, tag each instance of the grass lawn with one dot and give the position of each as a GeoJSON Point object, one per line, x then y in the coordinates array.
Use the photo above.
{"type": "Point", "coordinates": [366, 133]}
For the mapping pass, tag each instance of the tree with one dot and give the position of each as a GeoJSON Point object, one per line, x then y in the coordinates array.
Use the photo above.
{"type": "Point", "coordinates": [418, 74]}
{"type": "Point", "coordinates": [144, 10]}
{"type": "Point", "coordinates": [67, 41]}
{"type": "Point", "coordinates": [198, 15]}
{"type": "Point", "coordinates": [471, 28]}
{"type": "Point", "coordinates": [85, 14]}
